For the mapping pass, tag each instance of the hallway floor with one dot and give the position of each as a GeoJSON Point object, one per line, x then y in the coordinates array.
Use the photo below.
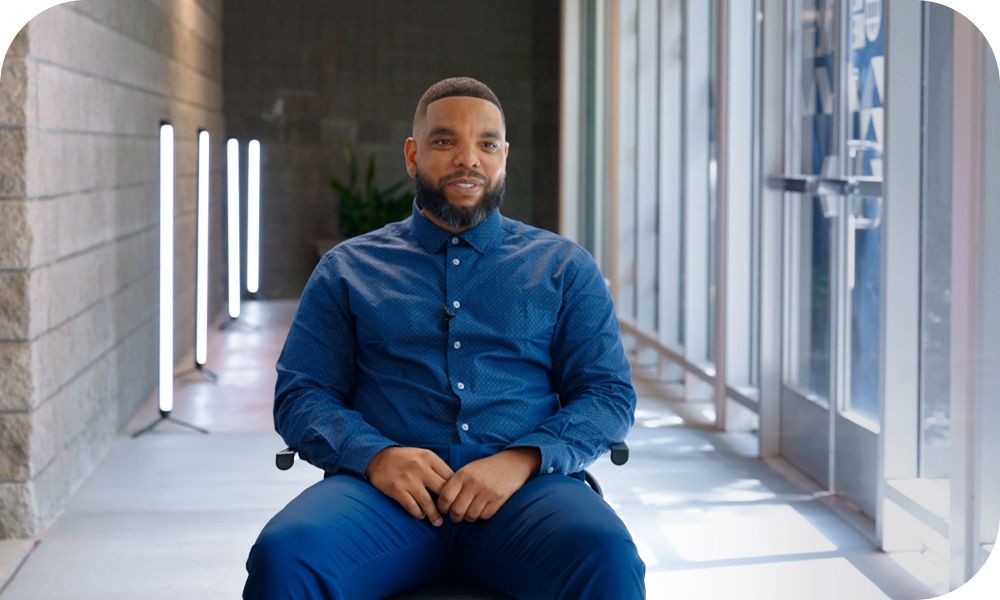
{"type": "Point", "coordinates": [173, 513]}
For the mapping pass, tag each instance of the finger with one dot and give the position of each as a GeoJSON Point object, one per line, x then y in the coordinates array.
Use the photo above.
{"type": "Point", "coordinates": [409, 504]}
{"type": "Point", "coordinates": [446, 496]}
{"type": "Point", "coordinates": [490, 509]}
{"type": "Point", "coordinates": [475, 509]}
{"type": "Point", "coordinates": [434, 482]}
{"type": "Point", "coordinates": [440, 467]}
{"type": "Point", "coordinates": [461, 505]}
{"type": "Point", "coordinates": [427, 507]}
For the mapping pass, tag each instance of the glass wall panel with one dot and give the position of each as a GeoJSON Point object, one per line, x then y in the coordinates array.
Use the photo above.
{"type": "Point", "coordinates": [670, 228]}
{"type": "Point", "coordinates": [646, 172]}
{"type": "Point", "coordinates": [626, 156]}
{"type": "Point", "coordinates": [593, 133]}
{"type": "Point", "coordinates": [934, 447]}
{"type": "Point", "coordinates": [697, 133]}
{"type": "Point", "coordinates": [865, 135]}
{"type": "Point", "coordinates": [756, 186]}
{"type": "Point", "coordinates": [742, 193]}
{"type": "Point", "coordinates": [987, 384]}
{"type": "Point", "coordinates": [814, 152]}
{"type": "Point", "coordinates": [711, 177]}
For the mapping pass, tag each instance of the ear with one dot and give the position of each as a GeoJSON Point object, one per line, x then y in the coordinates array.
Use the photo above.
{"type": "Point", "coordinates": [410, 156]}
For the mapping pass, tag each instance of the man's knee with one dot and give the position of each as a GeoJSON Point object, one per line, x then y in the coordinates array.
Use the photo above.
{"type": "Point", "coordinates": [610, 564]}
{"type": "Point", "coordinates": [274, 551]}
{"type": "Point", "coordinates": [280, 565]}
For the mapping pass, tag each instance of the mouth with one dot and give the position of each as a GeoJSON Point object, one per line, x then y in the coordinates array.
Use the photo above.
{"type": "Point", "coordinates": [464, 185]}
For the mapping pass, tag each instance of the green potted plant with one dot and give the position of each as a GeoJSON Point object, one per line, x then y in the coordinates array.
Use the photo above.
{"type": "Point", "coordinates": [364, 206]}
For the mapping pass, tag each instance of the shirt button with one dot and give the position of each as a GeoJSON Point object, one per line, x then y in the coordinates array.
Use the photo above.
{"type": "Point", "coordinates": [454, 241]}
{"type": "Point", "coordinates": [465, 426]}
{"type": "Point", "coordinates": [550, 470]}
{"type": "Point", "coordinates": [461, 385]}
{"type": "Point", "coordinates": [456, 262]}
{"type": "Point", "coordinates": [456, 345]}
{"type": "Point", "coordinates": [456, 304]}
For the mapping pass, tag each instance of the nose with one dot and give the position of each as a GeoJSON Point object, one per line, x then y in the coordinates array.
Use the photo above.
{"type": "Point", "coordinates": [466, 156]}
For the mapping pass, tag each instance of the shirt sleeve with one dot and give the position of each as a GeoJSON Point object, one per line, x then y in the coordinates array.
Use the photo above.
{"type": "Point", "coordinates": [592, 376]}
{"type": "Point", "coordinates": [316, 371]}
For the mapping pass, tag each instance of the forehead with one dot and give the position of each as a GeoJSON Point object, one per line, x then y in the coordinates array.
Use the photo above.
{"type": "Point", "coordinates": [465, 113]}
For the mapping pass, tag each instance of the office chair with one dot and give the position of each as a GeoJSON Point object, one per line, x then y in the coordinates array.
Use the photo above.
{"type": "Point", "coordinates": [457, 590]}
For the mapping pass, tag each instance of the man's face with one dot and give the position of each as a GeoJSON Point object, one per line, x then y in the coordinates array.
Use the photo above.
{"type": "Point", "coordinates": [458, 156]}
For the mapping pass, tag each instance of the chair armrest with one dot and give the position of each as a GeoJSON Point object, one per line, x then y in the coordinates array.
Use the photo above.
{"type": "Point", "coordinates": [619, 453]}
{"type": "Point", "coordinates": [284, 459]}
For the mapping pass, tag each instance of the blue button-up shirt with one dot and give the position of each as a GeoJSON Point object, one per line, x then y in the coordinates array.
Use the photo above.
{"type": "Point", "coordinates": [410, 335]}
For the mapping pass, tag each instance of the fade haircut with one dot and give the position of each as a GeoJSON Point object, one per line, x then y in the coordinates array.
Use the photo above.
{"type": "Point", "coordinates": [456, 86]}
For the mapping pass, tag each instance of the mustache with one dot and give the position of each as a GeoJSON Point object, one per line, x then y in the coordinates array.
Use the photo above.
{"type": "Point", "coordinates": [464, 175]}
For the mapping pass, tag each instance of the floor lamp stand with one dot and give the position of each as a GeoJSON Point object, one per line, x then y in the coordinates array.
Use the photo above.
{"type": "Point", "coordinates": [206, 373]}
{"type": "Point", "coordinates": [165, 416]}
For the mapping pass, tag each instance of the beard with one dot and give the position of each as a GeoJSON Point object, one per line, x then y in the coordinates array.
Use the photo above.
{"type": "Point", "coordinates": [432, 199]}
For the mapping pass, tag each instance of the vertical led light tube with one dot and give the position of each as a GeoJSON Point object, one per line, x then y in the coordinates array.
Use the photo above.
{"type": "Point", "coordinates": [233, 227]}
{"type": "Point", "coordinates": [201, 293]}
{"type": "Point", "coordinates": [253, 216]}
{"type": "Point", "coordinates": [166, 395]}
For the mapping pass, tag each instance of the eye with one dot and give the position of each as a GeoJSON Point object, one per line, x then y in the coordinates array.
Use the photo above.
{"type": "Point", "coordinates": [491, 146]}
{"type": "Point", "coordinates": [441, 142]}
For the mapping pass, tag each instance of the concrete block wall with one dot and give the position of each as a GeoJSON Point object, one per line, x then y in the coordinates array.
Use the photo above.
{"type": "Point", "coordinates": [82, 92]}
{"type": "Point", "coordinates": [304, 75]}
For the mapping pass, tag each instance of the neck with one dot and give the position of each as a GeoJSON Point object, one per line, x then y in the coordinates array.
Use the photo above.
{"type": "Point", "coordinates": [433, 219]}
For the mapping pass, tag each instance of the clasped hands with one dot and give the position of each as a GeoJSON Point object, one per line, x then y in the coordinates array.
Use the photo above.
{"type": "Point", "coordinates": [476, 491]}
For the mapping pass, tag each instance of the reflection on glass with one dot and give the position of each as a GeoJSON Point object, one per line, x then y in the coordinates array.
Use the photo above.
{"type": "Point", "coordinates": [866, 84]}
{"type": "Point", "coordinates": [935, 333]}
{"type": "Point", "coordinates": [811, 346]}
{"type": "Point", "coordinates": [711, 177]}
{"type": "Point", "coordinates": [753, 309]}
{"type": "Point", "coordinates": [935, 252]}
{"type": "Point", "coordinates": [987, 359]}
{"type": "Point", "coordinates": [811, 358]}
{"type": "Point", "coordinates": [865, 345]}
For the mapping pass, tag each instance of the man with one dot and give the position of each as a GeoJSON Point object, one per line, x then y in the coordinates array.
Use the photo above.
{"type": "Point", "coordinates": [456, 372]}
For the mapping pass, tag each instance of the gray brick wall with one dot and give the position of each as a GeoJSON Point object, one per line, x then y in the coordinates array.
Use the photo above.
{"type": "Point", "coordinates": [303, 75]}
{"type": "Point", "coordinates": [83, 90]}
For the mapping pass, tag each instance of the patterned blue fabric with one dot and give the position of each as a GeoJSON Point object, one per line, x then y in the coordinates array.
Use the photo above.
{"type": "Point", "coordinates": [504, 334]}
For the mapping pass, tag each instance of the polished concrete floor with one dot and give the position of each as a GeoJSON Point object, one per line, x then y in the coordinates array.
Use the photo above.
{"type": "Point", "coordinates": [173, 513]}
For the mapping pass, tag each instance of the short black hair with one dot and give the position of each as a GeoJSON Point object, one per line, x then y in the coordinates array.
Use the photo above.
{"type": "Point", "coordinates": [456, 86]}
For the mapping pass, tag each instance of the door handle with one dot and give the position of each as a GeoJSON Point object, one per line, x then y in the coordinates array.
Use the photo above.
{"type": "Point", "coordinates": [814, 185]}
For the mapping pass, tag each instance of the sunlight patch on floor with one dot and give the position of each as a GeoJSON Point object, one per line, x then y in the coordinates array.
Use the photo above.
{"type": "Point", "coordinates": [817, 579]}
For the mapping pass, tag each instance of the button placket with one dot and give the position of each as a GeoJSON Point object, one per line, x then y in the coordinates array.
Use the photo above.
{"type": "Point", "coordinates": [454, 278]}
{"type": "Point", "coordinates": [457, 263]}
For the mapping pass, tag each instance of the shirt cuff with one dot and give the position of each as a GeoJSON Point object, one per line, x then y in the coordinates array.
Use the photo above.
{"type": "Point", "coordinates": [556, 455]}
{"type": "Point", "coordinates": [359, 454]}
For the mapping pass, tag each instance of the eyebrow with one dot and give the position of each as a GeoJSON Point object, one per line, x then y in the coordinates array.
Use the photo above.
{"type": "Point", "coordinates": [440, 131]}
{"type": "Point", "coordinates": [490, 134]}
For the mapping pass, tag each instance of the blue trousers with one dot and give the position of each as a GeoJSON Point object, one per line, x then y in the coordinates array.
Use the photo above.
{"type": "Point", "coordinates": [343, 539]}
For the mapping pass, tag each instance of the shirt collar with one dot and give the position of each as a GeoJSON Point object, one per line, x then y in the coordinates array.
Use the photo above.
{"type": "Point", "coordinates": [481, 237]}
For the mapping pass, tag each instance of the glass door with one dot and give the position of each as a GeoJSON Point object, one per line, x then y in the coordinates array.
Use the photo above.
{"type": "Point", "coordinates": [832, 245]}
